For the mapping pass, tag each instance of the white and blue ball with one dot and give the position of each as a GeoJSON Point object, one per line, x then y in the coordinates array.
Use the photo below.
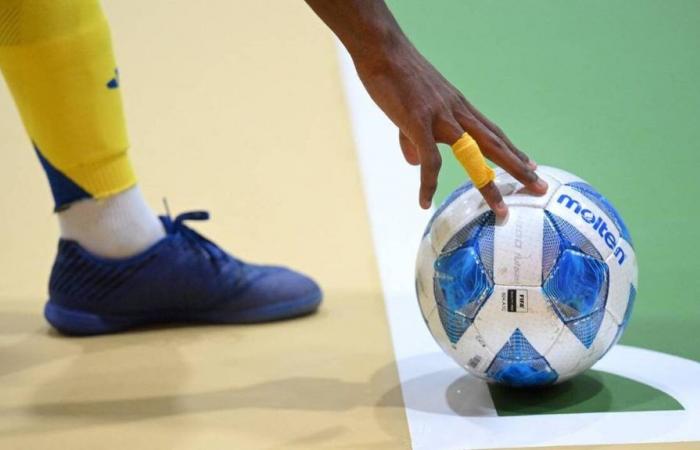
{"type": "Point", "coordinates": [534, 299]}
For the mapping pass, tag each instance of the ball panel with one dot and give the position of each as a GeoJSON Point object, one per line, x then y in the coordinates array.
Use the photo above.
{"type": "Point", "coordinates": [459, 213]}
{"type": "Point", "coordinates": [578, 285]}
{"type": "Point", "coordinates": [485, 245]}
{"type": "Point", "coordinates": [630, 307]}
{"type": "Point", "coordinates": [514, 193]}
{"type": "Point", "coordinates": [570, 237]}
{"type": "Point", "coordinates": [623, 277]}
{"type": "Point", "coordinates": [628, 312]}
{"type": "Point", "coordinates": [473, 354]}
{"type": "Point", "coordinates": [517, 307]}
{"type": "Point", "coordinates": [518, 364]}
{"type": "Point", "coordinates": [551, 246]}
{"type": "Point", "coordinates": [584, 218]}
{"type": "Point", "coordinates": [454, 322]}
{"type": "Point", "coordinates": [569, 356]}
{"type": "Point", "coordinates": [461, 282]}
{"type": "Point", "coordinates": [561, 176]}
{"type": "Point", "coordinates": [601, 344]}
{"type": "Point", "coordinates": [446, 203]}
{"type": "Point", "coordinates": [424, 276]}
{"type": "Point", "coordinates": [565, 354]}
{"type": "Point", "coordinates": [586, 328]}
{"type": "Point", "coordinates": [438, 331]}
{"type": "Point", "coordinates": [518, 248]}
{"type": "Point", "coordinates": [605, 205]}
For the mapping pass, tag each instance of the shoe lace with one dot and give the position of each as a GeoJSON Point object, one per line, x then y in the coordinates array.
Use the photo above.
{"type": "Point", "coordinates": [213, 252]}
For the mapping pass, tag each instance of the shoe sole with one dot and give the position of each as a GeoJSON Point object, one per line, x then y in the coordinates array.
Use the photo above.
{"type": "Point", "coordinates": [80, 323]}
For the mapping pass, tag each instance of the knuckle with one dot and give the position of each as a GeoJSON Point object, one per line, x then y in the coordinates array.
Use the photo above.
{"type": "Point", "coordinates": [446, 129]}
{"type": "Point", "coordinates": [424, 113]}
{"type": "Point", "coordinates": [459, 102]}
{"type": "Point", "coordinates": [465, 117]}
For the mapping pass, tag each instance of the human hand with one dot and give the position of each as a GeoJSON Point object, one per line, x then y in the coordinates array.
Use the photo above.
{"type": "Point", "coordinates": [428, 110]}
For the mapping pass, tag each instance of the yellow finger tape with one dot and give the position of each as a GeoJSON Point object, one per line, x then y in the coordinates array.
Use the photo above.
{"type": "Point", "coordinates": [467, 152]}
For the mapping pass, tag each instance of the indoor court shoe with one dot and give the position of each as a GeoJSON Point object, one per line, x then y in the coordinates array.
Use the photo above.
{"type": "Point", "coordinates": [183, 278]}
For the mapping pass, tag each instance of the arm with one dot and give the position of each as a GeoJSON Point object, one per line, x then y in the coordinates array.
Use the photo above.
{"type": "Point", "coordinates": [425, 107]}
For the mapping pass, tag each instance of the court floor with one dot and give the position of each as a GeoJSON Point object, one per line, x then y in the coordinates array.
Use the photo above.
{"type": "Point", "coordinates": [251, 111]}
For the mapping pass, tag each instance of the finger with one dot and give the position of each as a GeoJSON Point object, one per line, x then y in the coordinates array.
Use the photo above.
{"type": "Point", "coordinates": [466, 150]}
{"type": "Point", "coordinates": [448, 130]}
{"type": "Point", "coordinates": [410, 153]}
{"type": "Point", "coordinates": [494, 199]}
{"type": "Point", "coordinates": [497, 151]}
{"type": "Point", "coordinates": [430, 163]}
{"type": "Point", "coordinates": [495, 129]}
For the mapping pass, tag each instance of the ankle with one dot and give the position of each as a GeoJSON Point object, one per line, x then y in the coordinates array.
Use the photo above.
{"type": "Point", "coordinates": [115, 227]}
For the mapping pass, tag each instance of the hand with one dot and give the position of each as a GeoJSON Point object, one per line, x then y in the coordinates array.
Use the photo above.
{"type": "Point", "coordinates": [427, 109]}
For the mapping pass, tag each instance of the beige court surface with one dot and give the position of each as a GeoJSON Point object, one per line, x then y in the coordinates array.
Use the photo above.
{"type": "Point", "coordinates": [236, 107]}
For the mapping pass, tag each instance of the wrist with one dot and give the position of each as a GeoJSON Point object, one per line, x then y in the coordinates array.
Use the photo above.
{"type": "Point", "coordinates": [379, 48]}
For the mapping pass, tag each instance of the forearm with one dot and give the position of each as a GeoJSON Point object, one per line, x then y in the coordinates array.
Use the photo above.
{"type": "Point", "coordinates": [366, 28]}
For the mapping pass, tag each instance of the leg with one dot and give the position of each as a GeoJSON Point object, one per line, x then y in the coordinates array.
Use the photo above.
{"type": "Point", "coordinates": [118, 265]}
{"type": "Point", "coordinates": [57, 59]}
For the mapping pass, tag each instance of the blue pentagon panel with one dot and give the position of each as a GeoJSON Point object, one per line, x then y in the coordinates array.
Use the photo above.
{"type": "Point", "coordinates": [462, 282]}
{"type": "Point", "coordinates": [578, 285]}
{"type": "Point", "coordinates": [571, 237]}
{"type": "Point", "coordinates": [551, 247]}
{"type": "Point", "coordinates": [518, 364]}
{"type": "Point", "coordinates": [451, 198]}
{"type": "Point", "coordinates": [586, 329]}
{"type": "Point", "coordinates": [454, 322]}
{"type": "Point", "coordinates": [605, 205]}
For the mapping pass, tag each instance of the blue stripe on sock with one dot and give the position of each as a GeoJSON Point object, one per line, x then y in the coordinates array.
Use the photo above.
{"type": "Point", "coordinates": [63, 189]}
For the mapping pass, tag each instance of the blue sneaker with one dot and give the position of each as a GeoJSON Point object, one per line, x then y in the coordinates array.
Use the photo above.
{"type": "Point", "coordinates": [183, 278]}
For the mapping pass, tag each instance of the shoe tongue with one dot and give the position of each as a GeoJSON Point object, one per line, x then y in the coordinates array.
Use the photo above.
{"type": "Point", "coordinates": [168, 224]}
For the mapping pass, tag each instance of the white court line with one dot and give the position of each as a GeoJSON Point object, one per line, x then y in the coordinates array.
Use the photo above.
{"type": "Point", "coordinates": [445, 408]}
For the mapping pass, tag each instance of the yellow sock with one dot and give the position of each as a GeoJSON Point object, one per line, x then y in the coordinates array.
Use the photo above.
{"type": "Point", "coordinates": [57, 59]}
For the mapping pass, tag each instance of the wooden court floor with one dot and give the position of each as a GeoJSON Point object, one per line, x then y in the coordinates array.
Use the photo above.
{"type": "Point", "coordinates": [236, 108]}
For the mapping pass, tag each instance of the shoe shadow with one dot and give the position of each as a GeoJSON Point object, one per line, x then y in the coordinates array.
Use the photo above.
{"type": "Point", "coordinates": [145, 374]}
{"type": "Point", "coordinates": [28, 341]}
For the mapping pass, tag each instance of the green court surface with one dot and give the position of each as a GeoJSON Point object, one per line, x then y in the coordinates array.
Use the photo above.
{"type": "Point", "coordinates": [607, 90]}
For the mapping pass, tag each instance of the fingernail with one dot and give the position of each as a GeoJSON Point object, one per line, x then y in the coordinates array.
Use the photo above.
{"type": "Point", "coordinates": [541, 185]}
{"type": "Point", "coordinates": [501, 209]}
{"type": "Point", "coordinates": [532, 164]}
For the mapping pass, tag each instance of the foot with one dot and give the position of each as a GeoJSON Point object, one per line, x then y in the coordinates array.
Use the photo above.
{"type": "Point", "coordinates": [183, 278]}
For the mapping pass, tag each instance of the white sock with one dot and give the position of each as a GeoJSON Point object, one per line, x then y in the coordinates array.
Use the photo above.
{"type": "Point", "coordinates": [116, 227]}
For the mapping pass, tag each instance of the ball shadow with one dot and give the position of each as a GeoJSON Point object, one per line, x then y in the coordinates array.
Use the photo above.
{"type": "Point", "coordinates": [585, 393]}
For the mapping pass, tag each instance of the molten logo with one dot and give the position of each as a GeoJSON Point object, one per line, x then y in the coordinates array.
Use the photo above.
{"type": "Point", "coordinates": [597, 223]}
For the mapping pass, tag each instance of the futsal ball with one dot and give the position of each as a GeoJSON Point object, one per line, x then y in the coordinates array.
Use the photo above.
{"type": "Point", "coordinates": [533, 299]}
